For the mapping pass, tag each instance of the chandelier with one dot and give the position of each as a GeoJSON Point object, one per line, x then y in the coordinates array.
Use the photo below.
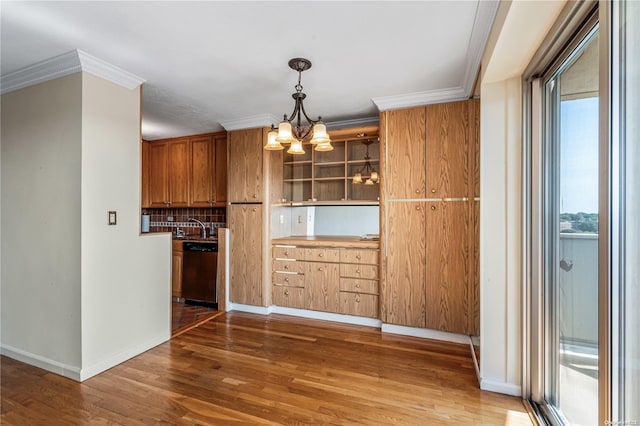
{"type": "Point", "coordinates": [291, 130]}
{"type": "Point", "coordinates": [367, 170]}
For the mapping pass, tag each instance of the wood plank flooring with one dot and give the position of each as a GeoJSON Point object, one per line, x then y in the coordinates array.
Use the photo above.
{"type": "Point", "coordinates": [250, 369]}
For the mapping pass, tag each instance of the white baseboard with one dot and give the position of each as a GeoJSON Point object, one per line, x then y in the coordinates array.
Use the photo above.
{"type": "Point", "coordinates": [501, 387]}
{"type": "Point", "coordinates": [56, 367]}
{"type": "Point", "coordinates": [327, 316]}
{"type": "Point", "coordinates": [122, 356]}
{"type": "Point", "coordinates": [262, 310]}
{"type": "Point", "coordinates": [426, 333]}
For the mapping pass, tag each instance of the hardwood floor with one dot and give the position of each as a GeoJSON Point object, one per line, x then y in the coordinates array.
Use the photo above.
{"type": "Point", "coordinates": [249, 369]}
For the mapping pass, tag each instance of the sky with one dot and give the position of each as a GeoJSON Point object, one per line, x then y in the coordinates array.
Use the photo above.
{"type": "Point", "coordinates": [579, 156]}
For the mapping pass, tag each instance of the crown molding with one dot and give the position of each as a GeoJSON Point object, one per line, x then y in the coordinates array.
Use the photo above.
{"type": "Point", "coordinates": [260, 120]}
{"type": "Point", "coordinates": [420, 98]}
{"type": "Point", "coordinates": [357, 122]}
{"type": "Point", "coordinates": [65, 64]}
{"type": "Point", "coordinates": [485, 15]}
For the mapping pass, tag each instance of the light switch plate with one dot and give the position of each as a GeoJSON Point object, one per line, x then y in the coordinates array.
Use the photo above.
{"type": "Point", "coordinates": [112, 217]}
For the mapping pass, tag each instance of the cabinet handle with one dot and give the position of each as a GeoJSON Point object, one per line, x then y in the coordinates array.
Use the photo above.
{"type": "Point", "coordinates": [286, 266]}
{"type": "Point", "coordinates": [286, 253]}
{"type": "Point", "coordinates": [255, 196]}
{"type": "Point", "coordinates": [358, 256]}
{"type": "Point", "coordinates": [320, 269]}
{"type": "Point", "coordinates": [433, 207]}
{"type": "Point", "coordinates": [357, 299]}
{"type": "Point", "coordinates": [286, 292]}
{"type": "Point", "coordinates": [254, 210]}
{"type": "Point", "coordinates": [357, 271]}
{"type": "Point", "coordinates": [433, 190]}
{"type": "Point", "coordinates": [321, 255]}
{"type": "Point", "coordinates": [357, 285]}
{"type": "Point", "coordinates": [286, 279]}
{"type": "Point", "coordinates": [417, 207]}
{"type": "Point", "coordinates": [417, 191]}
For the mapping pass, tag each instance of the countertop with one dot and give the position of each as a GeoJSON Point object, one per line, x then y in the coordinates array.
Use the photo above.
{"type": "Point", "coordinates": [339, 241]}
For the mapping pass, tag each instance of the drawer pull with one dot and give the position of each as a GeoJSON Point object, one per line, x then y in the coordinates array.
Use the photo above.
{"type": "Point", "coordinates": [255, 196]}
{"type": "Point", "coordinates": [254, 210]}
{"type": "Point", "coordinates": [357, 271]}
{"type": "Point", "coordinates": [286, 292]}
{"type": "Point", "coordinates": [286, 253]}
{"type": "Point", "coordinates": [358, 256]}
{"type": "Point", "coordinates": [321, 255]}
{"type": "Point", "coordinates": [357, 285]}
{"type": "Point", "coordinates": [286, 266]}
{"type": "Point", "coordinates": [433, 207]}
{"type": "Point", "coordinates": [286, 279]}
{"type": "Point", "coordinates": [357, 299]}
{"type": "Point", "coordinates": [417, 207]}
{"type": "Point", "coordinates": [433, 190]}
{"type": "Point", "coordinates": [320, 269]}
{"type": "Point", "coordinates": [417, 191]}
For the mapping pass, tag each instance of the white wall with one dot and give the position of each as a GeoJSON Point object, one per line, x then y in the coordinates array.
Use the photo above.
{"type": "Point", "coordinates": [41, 140]}
{"type": "Point", "coordinates": [77, 296]}
{"type": "Point", "coordinates": [126, 283]}
{"type": "Point", "coordinates": [519, 30]}
{"type": "Point", "coordinates": [347, 220]}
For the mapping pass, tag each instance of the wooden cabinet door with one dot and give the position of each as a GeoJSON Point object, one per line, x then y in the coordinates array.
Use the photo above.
{"type": "Point", "coordinates": [220, 171]}
{"type": "Point", "coordinates": [447, 282]}
{"type": "Point", "coordinates": [176, 269]}
{"type": "Point", "coordinates": [144, 200]}
{"type": "Point", "coordinates": [179, 173]}
{"type": "Point", "coordinates": [245, 165]}
{"type": "Point", "coordinates": [447, 150]}
{"type": "Point", "coordinates": [201, 171]}
{"type": "Point", "coordinates": [245, 225]}
{"type": "Point", "coordinates": [322, 284]}
{"type": "Point", "coordinates": [158, 174]}
{"type": "Point", "coordinates": [405, 159]}
{"type": "Point", "coordinates": [405, 275]}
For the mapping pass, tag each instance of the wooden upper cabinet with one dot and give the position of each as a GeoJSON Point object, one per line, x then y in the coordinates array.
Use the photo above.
{"type": "Point", "coordinates": [447, 150]}
{"type": "Point", "coordinates": [158, 157]}
{"type": "Point", "coordinates": [201, 170]}
{"type": "Point", "coordinates": [220, 169]}
{"type": "Point", "coordinates": [145, 175]}
{"type": "Point", "coordinates": [178, 173]}
{"type": "Point", "coordinates": [405, 144]}
{"type": "Point", "coordinates": [245, 165]}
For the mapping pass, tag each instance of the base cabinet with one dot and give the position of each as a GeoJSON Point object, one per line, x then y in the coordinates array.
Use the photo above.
{"type": "Point", "coordinates": [343, 280]}
{"type": "Point", "coordinates": [176, 269]}
{"type": "Point", "coordinates": [245, 274]}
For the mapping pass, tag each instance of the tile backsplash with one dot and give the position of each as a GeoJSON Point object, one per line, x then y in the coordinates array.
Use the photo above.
{"type": "Point", "coordinates": [169, 220]}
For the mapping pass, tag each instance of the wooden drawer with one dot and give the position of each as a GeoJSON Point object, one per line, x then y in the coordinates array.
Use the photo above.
{"type": "Point", "coordinates": [321, 255]}
{"type": "Point", "coordinates": [356, 285]}
{"type": "Point", "coordinates": [368, 272]}
{"type": "Point", "coordinates": [292, 297]}
{"type": "Point", "coordinates": [368, 257]}
{"type": "Point", "coordinates": [288, 253]}
{"type": "Point", "coordinates": [294, 280]}
{"type": "Point", "coordinates": [288, 266]}
{"type": "Point", "coordinates": [364, 305]}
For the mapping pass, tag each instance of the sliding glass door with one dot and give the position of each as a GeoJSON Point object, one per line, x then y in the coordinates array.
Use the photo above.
{"type": "Point", "coordinates": [571, 236]}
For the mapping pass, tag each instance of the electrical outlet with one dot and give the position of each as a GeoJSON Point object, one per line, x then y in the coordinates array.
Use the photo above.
{"type": "Point", "coordinates": [169, 218]}
{"type": "Point", "coordinates": [299, 219]}
{"type": "Point", "coordinates": [281, 219]}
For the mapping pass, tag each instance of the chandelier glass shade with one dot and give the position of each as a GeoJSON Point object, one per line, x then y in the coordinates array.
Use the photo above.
{"type": "Point", "coordinates": [291, 129]}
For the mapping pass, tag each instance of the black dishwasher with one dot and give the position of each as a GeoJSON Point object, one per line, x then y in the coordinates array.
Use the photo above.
{"type": "Point", "coordinates": [199, 273]}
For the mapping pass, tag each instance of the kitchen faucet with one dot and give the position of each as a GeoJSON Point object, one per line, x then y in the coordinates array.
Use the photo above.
{"type": "Point", "coordinates": [204, 229]}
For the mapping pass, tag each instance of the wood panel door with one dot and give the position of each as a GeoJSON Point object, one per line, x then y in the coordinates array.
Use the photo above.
{"type": "Point", "coordinates": [220, 170]}
{"type": "Point", "coordinates": [405, 275]}
{"type": "Point", "coordinates": [322, 284]}
{"type": "Point", "coordinates": [158, 174]}
{"type": "Point", "coordinates": [405, 156]}
{"type": "Point", "coordinates": [144, 163]}
{"type": "Point", "coordinates": [447, 285]}
{"type": "Point", "coordinates": [201, 171]}
{"type": "Point", "coordinates": [179, 173]}
{"type": "Point", "coordinates": [245, 275]}
{"type": "Point", "coordinates": [245, 165]}
{"type": "Point", "coordinates": [447, 150]}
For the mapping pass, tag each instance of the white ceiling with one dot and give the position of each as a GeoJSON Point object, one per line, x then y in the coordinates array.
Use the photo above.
{"type": "Point", "coordinates": [210, 62]}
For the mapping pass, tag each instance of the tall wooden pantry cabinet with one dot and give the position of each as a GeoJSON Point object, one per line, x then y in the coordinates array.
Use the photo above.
{"type": "Point", "coordinates": [428, 216]}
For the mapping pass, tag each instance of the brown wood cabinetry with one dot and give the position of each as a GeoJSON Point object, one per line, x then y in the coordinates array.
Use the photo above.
{"type": "Point", "coordinates": [343, 280]}
{"type": "Point", "coordinates": [208, 171]}
{"type": "Point", "coordinates": [245, 275]}
{"type": "Point", "coordinates": [428, 229]}
{"type": "Point", "coordinates": [176, 269]}
{"type": "Point", "coordinates": [185, 172]}
{"type": "Point", "coordinates": [245, 166]}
